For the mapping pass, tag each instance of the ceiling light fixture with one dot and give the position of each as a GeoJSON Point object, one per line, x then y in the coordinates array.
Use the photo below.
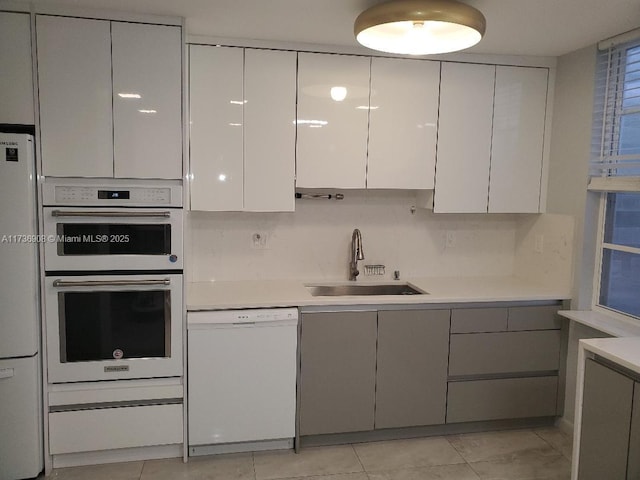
{"type": "Point", "coordinates": [420, 27]}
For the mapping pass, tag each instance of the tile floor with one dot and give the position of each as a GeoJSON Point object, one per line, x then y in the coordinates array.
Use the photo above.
{"type": "Point", "coordinates": [542, 453]}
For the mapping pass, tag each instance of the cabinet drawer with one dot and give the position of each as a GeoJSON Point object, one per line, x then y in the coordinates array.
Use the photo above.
{"type": "Point", "coordinates": [534, 318]}
{"type": "Point", "coordinates": [111, 428]}
{"type": "Point", "coordinates": [479, 400]}
{"type": "Point", "coordinates": [505, 352]}
{"type": "Point", "coordinates": [470, 320]}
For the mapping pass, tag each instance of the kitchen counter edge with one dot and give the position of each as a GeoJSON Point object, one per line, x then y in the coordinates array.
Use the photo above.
{"type": "Point", "coordinates": [239, 294]}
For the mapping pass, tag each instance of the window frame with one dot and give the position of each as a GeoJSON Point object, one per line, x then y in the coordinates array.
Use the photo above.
{"type": "Point", "coordinates": [608, 182]}
{"type": "Point", "coordinates": [600, 248]}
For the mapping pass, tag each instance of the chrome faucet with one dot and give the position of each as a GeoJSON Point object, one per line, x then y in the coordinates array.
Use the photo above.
{"type": "Point", "coordinates": [356, 254]}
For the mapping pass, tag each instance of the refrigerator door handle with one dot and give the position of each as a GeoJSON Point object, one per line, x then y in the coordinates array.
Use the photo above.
{"type": "Point", "coordinates": [6, 373]}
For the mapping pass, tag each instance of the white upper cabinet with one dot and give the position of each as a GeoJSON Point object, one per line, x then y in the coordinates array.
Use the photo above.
{"type": "Point", "coordinates": [242, 129]}
{"type": "Point", "coordinates": [110, 98]}
{"type": "Point", "coordinates": [216, 138]}
{"type": "Point", "coordinates": [403, 123]}
{"type": "Point", "coordinates": [490, 139]}
{"type": "Point", "coordinates": [464, 138]}
{"type": "Point", "coordinates": [74, 80]}
{"type": "Point", "coordinates": [269, 130]}
{"type": "Point", "coordinates": [332, 121]}
{"type": "Point", "coordinates": [147, 131]}
{"type": "Point", "coordinates": [16, 81]}
{"type": "Point", "coordinates": [518, 139]}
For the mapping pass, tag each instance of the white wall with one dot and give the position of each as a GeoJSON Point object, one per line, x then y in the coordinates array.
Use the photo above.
{"type": "Point", "coordinates": [313, 242]}
{"type": "Point", "coordinates": [544, 250]}
{"type": "Point", "coordinates": [571, 146]}
{"type": "Point", "coordinates": [568, 177]}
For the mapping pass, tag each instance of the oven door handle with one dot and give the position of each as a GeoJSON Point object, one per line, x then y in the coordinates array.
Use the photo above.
{"type": "Point", "coordinates": [110, 283]}
{"type": "Point", "coordinates": [111, 214]}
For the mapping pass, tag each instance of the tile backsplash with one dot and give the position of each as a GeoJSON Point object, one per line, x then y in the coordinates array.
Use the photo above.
{"type": "Point", "coordinates": [313, 243]}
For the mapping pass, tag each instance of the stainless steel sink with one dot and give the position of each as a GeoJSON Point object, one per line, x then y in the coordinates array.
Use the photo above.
{"type": "Point", "coordinates": [375, 289]}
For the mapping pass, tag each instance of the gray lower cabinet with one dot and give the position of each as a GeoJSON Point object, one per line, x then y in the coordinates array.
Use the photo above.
{"type": "Point", "coordinates": [411, 377]}
{"type": "Point", "coordinates": [337, 372]}
{"type": "Point", "coordinates": [500, 352]}
{"type": "Point", "coordinates": [502, 398]}
{"type": "Point", "coordinates": [479, 320]}
{"type": "Point", "coordinates": [370, 370]}
{"type": "Point", "coordinates": [633, 467]}
{"type": "Point", "coordinates": [542, 317]}
{"type": "Point", "coordinates": [503, 363]}
{"type": "Point", "coordinates": [607, 406]}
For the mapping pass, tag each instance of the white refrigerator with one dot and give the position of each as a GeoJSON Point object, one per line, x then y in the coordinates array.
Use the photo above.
{"type": "Point", "coordinates": [21, 444]}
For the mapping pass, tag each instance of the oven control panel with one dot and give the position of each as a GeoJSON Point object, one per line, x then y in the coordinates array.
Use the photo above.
{"type": "Point", "coordinates": [112, 194]}
{"type": "Point", "coordinates": [138, 196]}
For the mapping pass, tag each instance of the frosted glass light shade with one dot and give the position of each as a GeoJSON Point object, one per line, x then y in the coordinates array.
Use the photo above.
{"type": "Point", "coordinates": [420, 27]}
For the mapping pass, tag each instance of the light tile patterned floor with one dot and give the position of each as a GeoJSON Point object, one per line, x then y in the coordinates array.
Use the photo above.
{"type": "Point", "coordinates": [539, 454]}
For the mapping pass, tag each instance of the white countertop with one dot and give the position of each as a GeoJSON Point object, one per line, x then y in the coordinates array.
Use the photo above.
{"type": "Point", "coordinates": [622, 351]}
{"type": "Point", "coordinates": [222, 295]}
{"type": "Point", "coordinates": [608, 324]}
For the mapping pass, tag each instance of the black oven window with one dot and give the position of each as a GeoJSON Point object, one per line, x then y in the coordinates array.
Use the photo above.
{"type": "Point", "coordinates": [113, 239]}
{"type": "Point", "coordinates": [114, 325]}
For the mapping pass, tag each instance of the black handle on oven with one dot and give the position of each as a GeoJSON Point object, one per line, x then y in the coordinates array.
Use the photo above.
{"type": "Point", "coordinates": [99, 213]}
{"type": "Point", "coordinates": [110, 283]}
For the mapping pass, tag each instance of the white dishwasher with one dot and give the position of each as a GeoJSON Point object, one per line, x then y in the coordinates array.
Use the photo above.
{"type": "Point", "coordinates": [241, 377]}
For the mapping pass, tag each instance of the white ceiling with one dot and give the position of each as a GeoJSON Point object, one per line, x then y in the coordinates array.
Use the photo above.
{"type": "Point", "coordinates": [519, 27]}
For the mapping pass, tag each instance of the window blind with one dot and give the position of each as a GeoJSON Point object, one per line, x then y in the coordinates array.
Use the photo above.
{"type": "Point", "coordinates": [615, 159]}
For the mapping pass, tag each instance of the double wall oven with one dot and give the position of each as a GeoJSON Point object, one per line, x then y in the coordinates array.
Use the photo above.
{"type": "Point", "coordinates": [113, 259]}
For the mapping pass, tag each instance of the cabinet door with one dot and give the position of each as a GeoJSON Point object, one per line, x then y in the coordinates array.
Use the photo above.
{"type": "Point", "coordinates": [337, 372]}
{"type": "Point", "coordinates": [633, 465]}
{"type": "Point", "coordinates": [403, 118]}
{"type": "Point", "coordinates": [332, 131]}
{"type": "Point", "coordinates": [518, 137]}
{"type": "Point", "coordinates": [147, 131]}
{"type": "Point", "coordinates": [411, 378]}
{"type": "Point", "coordinates": [16, 81]}
{"type": "Point", "coordinates": [74, 82]}
{"type": "Point", "coordinates": [464, 138]}
{"type": "Point", "coordinates": [606, 414]}
{"type": "Point", "coordinates": [216, 101]}
{"type": "Point", "coordinates": [269, 130]}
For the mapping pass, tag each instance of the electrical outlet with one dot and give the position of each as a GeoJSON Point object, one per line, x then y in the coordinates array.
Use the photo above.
{"type": "Point", "coordinates": [539, 244]}
{"type": "Point", "coordinates": [259, 240]}
{"type": "Point", "coordinates": [450, 240]}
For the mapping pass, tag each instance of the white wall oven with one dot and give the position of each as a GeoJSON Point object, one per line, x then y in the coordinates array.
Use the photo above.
{"type": "Point", "coordinates": [112, 227]}
{"type": "Point", "coordinates": [105, 327]}
{"type": "Point", "coordinates": [114, 284]}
